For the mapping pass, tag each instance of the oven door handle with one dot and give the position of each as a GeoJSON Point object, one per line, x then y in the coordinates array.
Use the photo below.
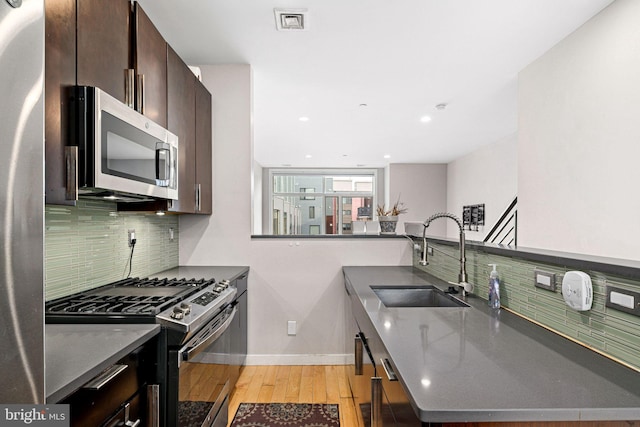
{"type": "Point", "coordinates": [202, 341]}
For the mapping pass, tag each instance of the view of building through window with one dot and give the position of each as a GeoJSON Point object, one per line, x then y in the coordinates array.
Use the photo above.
{"type": "Point", "coordinates": [319, 203]}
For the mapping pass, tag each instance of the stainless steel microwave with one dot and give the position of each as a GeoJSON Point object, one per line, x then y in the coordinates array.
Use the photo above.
{"type": "Point", "coordinates": [117, 153]}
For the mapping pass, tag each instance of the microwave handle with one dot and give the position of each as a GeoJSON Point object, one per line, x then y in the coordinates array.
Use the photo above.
{"type": "Point", "coordinates": [166, 176]}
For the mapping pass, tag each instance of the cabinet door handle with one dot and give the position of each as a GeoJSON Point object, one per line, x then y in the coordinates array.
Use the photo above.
{"type": "Point", "coordinates": [388, 370]}
{"type": "Point", "coordinates": [198, 197]}
{"type": "Point", "coordinates": [140, 96]}
{"type": "Point", "coordinates": [153, 405]}
{"type": "Point", "coordinates": [129, 87]}
{"type": "Point", "coordinates": [127, 421]}
{"type": "Point", "coordinates": [376, 402]}
{"type": "Point", "coordinates": [71, 161]}
{"type": "Point", "coordinates": [358, 355]}
{"type": "Point", "coordinates": [104, 378]}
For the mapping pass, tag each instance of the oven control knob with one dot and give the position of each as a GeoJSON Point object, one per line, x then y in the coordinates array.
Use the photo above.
{"type": "Point", "coordinates": [178, 313]}
{"type": "Point", "coordinates": [185, 307]}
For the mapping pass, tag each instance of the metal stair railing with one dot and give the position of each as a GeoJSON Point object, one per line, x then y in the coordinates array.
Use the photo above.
{"type": "Point", "coordinates": [505, 231]}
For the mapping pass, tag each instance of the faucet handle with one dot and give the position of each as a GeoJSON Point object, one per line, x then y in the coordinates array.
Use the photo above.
{"type": "Point", "coordinates": [468, 287]}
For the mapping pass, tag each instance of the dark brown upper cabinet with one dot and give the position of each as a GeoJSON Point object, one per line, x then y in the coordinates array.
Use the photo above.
{"type": "Point", "coordinates": [104, 45]}
{"type": "Point", "coordinates": [111, 44]}
{"type": "Point", "coordinates": [181, 106]}
{"type": "Point", "coordinates": [189, 117]}
{"type": "Point", "coordinates": [204, 170]}
{"type": "Point", "coordinates": [150, 63]}
{"type": "Point", "coordinates": [60, 76]}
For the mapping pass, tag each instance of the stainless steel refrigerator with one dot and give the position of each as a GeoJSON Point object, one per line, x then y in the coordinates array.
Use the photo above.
{"type": "Point", "coordinates": [21, 201]}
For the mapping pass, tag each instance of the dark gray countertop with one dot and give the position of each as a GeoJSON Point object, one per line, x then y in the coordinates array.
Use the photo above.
{"type": "Point", "coordinates": [74, 354]}
{"type": "Point", "coordinates": [475, 364]}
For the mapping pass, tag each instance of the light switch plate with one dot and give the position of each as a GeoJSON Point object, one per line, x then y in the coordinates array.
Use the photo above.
{"type": "Point", "coordinates": [545, 280]}
{"type": "Point", "coordinates": [291, 327]}
{"type": "Point", "coordinates": [623, 300]}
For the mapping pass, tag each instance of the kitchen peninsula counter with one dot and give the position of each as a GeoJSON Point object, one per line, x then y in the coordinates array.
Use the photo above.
{"type": "Point", "coordinates": [476, 364]}
{"type": "Point", "coordinates": [76, 353]}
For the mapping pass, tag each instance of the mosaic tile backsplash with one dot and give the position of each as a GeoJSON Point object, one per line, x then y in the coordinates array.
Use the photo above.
{"type": "Point", "coordinates": [87, 246]}
{"type": "Point", "coordinates": [609, 331]}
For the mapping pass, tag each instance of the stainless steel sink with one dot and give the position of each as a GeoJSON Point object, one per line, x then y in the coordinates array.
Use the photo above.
{"type": "Point", "coordinates": [416, 296]}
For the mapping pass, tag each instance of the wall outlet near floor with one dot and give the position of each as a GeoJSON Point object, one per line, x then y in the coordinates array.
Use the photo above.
{"type": "Point", "coordinates": [131, 235]}
{"type": "Point", "coordinates": [291, 327]}
{"type": "Point", "coordinates": [171, 236]}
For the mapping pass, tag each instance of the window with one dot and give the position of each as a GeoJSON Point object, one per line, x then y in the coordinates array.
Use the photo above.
{"type": "Point", "coordinates": [311, 201]}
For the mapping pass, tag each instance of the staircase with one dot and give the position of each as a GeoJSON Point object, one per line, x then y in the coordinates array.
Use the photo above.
{"type": "Point", "coordinates": [505, 232]}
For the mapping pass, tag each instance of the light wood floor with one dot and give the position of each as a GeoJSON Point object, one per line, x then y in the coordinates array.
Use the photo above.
{"type": "Point", "coordinates": [329, 384]}
{"type": "Point", "coordinates": [296, 384]}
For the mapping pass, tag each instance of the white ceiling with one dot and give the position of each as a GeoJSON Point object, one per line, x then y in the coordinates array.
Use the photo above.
{"type": "Point", "coordinates": [400, 58]}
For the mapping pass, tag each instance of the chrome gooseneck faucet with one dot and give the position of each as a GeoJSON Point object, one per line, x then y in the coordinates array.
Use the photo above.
{"type": "Point", "coordinates": [462, 276]}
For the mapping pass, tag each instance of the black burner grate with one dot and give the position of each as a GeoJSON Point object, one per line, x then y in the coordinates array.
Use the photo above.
{"type": "Point", "coordinates": [135, 296]}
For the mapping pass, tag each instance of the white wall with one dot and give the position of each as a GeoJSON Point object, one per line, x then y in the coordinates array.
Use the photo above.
{"type": "Point", "coordinates": [489, 175]}
{"type": "Point", "coordinates": [423, 189]}
{"type": "Point", "coordinates": [290, 279]}
{"type": "Point", "coordinates": [579, 140]}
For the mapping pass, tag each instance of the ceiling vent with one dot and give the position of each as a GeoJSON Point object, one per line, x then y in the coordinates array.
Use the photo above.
{"type": "Point", "coordinates": [291, 19]}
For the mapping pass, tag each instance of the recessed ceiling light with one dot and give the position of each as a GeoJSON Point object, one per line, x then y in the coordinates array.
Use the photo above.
{"type": "Point", "coordinates": [304, 119]}
{"type": "Point", "coordinates": [387, 156]}
{"type": "Point", "coordinates": [363, 105]}
{"type": "Point", "coordinates": [308, 156]}
{"type": "Point", "coordinates": [425, 119]}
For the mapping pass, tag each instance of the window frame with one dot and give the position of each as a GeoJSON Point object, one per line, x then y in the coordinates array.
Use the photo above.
{"type": "Point", "coordinates": [377, 192]}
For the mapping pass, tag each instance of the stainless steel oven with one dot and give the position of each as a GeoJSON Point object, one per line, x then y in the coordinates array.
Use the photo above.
{"type": "Point", "coordinates": [199, 357]}
{"type": "Point", "coordinates": [202, 371]}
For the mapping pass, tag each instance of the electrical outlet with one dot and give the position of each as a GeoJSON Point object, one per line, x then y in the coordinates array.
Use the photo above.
{"type": "Point", "coordinates": [131, 234]}
{"type": "Point", "coordinates": [171, 237]}
{"type": "Point", "coordinates": [429, 250]}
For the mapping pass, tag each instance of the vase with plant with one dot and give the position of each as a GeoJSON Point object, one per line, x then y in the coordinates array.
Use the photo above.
{"type": "Point", "coordinates": [389, 217]}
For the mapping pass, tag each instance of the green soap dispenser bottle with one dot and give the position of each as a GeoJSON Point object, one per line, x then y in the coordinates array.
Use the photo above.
{"type": "Point", "coordinates": [494, 288]}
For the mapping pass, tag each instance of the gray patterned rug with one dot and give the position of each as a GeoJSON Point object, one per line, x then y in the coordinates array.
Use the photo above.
{"type": "Point", "coordinates": [286, 414]}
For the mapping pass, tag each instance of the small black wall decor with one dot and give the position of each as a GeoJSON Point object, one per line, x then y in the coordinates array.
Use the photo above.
{"type": "Point", "coordinates": [473, 216]}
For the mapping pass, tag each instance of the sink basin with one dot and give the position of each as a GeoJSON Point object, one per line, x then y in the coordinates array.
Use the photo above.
{"type": "Point", "coordinates": [415, 296]}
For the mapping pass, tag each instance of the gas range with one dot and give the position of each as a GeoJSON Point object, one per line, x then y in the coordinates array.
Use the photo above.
{"type": "Point", "coordinates": [180, 304]}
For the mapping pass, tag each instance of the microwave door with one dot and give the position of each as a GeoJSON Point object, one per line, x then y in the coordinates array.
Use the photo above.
{"type": "Point", "coordinates": [131, 160]}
